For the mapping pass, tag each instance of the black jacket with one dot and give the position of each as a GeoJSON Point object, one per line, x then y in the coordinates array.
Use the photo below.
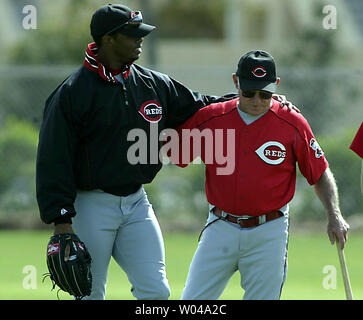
{"type": "Point", "coordinates": [83, 141]}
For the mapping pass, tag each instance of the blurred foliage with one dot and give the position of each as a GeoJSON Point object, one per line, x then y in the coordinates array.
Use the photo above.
{"type": "Point", "coordinates": [328, 105]}
{"type": "Point", "coordinates": [256, 19]}
{"type": "Point", "coordinates": [316, 85]}
{"type": "Point", "coordinates": [62, 30]}
{"type": "Point", "coordinates": [313, 45]}
{"type": "Point", "coordinates": [191, 19]}
{"type": "Point", "coordinates": [23, 95]}
{"type": "Point", "coordinates": [346, 167]}
{"type": "Point", "coordinates": [18, 145]}
{"type": "Point", "coordinates": [178, 196]}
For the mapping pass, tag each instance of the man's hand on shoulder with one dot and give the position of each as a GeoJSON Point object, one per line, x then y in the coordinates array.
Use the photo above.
{"type": "Point", "coordinates": [284, 103]}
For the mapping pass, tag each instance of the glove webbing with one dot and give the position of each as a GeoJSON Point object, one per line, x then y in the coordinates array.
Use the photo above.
{"type": "Point", "coordinates": [64, 274]}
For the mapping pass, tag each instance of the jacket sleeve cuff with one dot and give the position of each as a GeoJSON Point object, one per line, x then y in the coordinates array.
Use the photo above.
{"type": "Point", "coordinates": [63, 219]}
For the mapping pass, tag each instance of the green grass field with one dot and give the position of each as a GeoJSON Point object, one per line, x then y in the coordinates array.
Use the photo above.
{"type": "Point", "coordinates": [311, 260]}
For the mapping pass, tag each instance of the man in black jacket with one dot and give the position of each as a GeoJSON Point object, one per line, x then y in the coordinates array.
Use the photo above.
{"type": "Point", "coordinates": [85, 181]}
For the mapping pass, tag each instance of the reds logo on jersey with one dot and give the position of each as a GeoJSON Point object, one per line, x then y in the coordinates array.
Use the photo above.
{"type": "Point", "coordinates": [259, 72]}
{"type": "Point", "coordinates": [151, 111]}
{"type": "Point", "coordinates": [272, 152]}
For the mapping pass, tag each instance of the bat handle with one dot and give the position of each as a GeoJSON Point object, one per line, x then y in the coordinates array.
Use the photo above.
{"type": "Point", "coordinates": [343, 265]}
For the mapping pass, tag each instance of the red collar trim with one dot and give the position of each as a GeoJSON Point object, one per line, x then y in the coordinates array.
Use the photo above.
{"type": "Point", "coordinates": [91, 62]}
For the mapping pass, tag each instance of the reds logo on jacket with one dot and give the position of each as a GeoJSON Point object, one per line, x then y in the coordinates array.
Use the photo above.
{"type": "Point", "coordinates": [151, 111]}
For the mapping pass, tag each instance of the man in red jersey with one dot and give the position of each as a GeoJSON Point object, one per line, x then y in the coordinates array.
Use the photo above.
{"type": "Point", "coordinates": [357, 147]}
{"type": "Point", "coordinates": [247, 228]}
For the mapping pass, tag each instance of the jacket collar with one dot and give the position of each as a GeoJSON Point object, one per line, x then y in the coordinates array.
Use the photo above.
{"type": "Point", "coordinates": [91, 62]}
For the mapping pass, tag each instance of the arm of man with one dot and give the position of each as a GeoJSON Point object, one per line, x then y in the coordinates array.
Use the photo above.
{"type": "Point", "coordinates": [192, 140]}
{"type": "Point", "coordinates": [327, 191]}
{"type": "Point", "coordinates": [315, 168]}
{"type": "Point", "coordinates": [183, 102]}
{"type": "Point", "coordinates": [55, 184]}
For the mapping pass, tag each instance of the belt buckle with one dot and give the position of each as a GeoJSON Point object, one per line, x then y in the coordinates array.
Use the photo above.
{"type": "Point", "coordinates": [242, 218]}
{"type": "Point", "coordinates": [261, 219]}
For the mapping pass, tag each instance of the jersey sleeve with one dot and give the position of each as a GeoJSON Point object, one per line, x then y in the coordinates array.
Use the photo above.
{"type": "Point", "coordinates": [191, 139]}
{"type": "Point", "coordinates": [357, 144]}
{"type": "Point", "coordinates": [55, 182]}
{"type": "Point", "coordinates": [310, 157]}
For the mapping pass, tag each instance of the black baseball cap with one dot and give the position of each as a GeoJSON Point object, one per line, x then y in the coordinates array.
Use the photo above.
{"type": "Point", "coordinates": [116, 17]}
{"type": "Point", "coordinates": [257, 71]}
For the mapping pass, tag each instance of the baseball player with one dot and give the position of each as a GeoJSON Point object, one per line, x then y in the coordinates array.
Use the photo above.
{"type": "Point", "coordinates": [86, 182]}
{"type": "Point", "coordinates": [248, 223]}
{"type": "Point", "coordinates": [357, 147]}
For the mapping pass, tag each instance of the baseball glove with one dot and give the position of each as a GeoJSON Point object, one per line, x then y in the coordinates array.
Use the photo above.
{"type": "Point", "coordinates": [69, 265]}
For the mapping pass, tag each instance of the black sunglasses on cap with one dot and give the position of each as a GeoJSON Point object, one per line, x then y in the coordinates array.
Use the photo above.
{"type": "Point", "coordinates": [134, 21]}
{"type": "Point", "coordinates": [251, 93]}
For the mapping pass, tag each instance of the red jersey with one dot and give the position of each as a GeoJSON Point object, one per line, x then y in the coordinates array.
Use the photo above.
{"type": "Point", "coordinates": [264, 158]}
{"type": "Point", "coordinates": [357, 144]}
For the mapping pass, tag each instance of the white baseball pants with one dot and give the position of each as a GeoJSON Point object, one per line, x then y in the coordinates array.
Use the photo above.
{"type": "Point", "coordinates": [126, 229]}
{"type": "Point", "coordinates": [258, 253]}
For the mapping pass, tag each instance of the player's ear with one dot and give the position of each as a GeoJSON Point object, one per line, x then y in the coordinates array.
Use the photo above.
{"type": "Point", "coordinates": [278, 81]}
{"type": "Point", "coordinates": [235, 80]}
{"type": "Point", "coordinates": [107, 39]}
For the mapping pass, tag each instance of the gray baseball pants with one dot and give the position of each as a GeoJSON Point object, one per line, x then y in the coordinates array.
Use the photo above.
{"type": "Point", "coordinates": [258, 253]}
{"type": "Point", "coordinates": [126, 229]}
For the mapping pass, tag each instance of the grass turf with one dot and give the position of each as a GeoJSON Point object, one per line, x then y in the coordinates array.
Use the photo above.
{"type": "Point", "coordinates": [313, 262]}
